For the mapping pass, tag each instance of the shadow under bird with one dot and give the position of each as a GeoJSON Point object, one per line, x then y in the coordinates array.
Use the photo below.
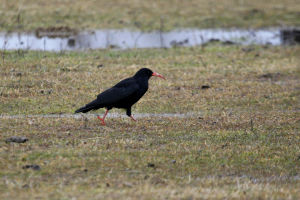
{"type": "Point", "coordinates": [123, 95]}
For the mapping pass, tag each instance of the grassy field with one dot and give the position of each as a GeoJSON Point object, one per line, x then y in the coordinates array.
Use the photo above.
{"type": "Point", "coordinates": [147, 15]}
{"type": "Point", "coordinates": [243, 144]}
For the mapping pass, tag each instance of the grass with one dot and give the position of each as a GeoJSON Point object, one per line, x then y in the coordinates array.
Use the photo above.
{"type": "Point", "coordinates": [147, 15]}
{"type": "Point", "coordinates": [191, 158]}
{"type": "Point", "coordinates": [244, 144]}
{"type": "Point", "coordinates": [45, 83]}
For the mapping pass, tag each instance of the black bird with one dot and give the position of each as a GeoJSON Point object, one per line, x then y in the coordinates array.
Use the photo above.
{"type": "Point", "coordinates": [123, 95]}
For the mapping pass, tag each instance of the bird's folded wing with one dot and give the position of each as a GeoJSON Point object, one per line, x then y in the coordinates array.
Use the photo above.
{"type": "Point", "coordinates": [118, 92]}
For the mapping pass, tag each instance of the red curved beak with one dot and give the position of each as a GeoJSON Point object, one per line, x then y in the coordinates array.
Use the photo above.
{"type": "Point", "coordinates": [158, 75]}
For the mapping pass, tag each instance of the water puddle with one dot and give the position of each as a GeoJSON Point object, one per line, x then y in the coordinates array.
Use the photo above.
{"type": "Point", "coordinates": [57, 39]}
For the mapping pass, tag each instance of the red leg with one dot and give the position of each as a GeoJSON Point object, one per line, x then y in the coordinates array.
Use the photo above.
{"type": "Point", "coordinates": [132, 118]}
{"type": "Point", "coordinates": [102, 119]}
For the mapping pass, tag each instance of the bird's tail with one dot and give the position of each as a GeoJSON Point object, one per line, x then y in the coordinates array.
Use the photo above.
{"type": "Point", "coordinates": [90, 106]}
{"type": "Point", "coordinates": [83, 109]}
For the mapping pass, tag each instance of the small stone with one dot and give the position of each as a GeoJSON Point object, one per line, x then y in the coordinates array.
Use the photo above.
{"type": "Point", "coordinates": [152, 165]}
{"type": "Point", "coordinates": [268, 75]}
{"type": "Point", "coordinates": [173, 161]}
{"type": "Point", "coordinates": [16, 139]}
{"type": "Point", "coordinates": [34, 167]}
{"type": "Point", "coordinates": [156, 180]}
{"type": "Point", "coordinates": [127, 184]}
{"type": "Point", "coordinates": [146, 177]}
{"type": "Point", "coordinates": [274, 76]}
{"type": "Point", "coordinates": [248, 49]}
{"type": "Point", "coordinates": [224, 145]}
{"type": "Point", "coordinates": [203, 87]}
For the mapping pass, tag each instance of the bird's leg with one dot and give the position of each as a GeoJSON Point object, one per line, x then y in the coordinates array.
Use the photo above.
{"type": "Point", "coordinates": [132, 118]}
{"type": "Point", "coordinates": [102, 119]}
{"type": "Point", "coordinates": [128, 113]}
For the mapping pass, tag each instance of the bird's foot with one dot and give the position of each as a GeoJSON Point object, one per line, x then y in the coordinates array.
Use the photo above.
{"type": "Point", "coordinates": [132, 118]}
{"type": "Point", "coordinates": [102, 120]}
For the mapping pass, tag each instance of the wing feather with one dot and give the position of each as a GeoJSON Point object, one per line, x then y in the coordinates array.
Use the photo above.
{"type": "Point", "coordinates": [120, 91]}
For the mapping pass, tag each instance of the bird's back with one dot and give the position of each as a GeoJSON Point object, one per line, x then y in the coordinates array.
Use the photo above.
{"type": "Point", "coordinates": [123, 95]}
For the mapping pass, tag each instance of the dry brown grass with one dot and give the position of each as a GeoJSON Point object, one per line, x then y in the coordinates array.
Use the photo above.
{"type": "Point", "coordinates": [244, 144]}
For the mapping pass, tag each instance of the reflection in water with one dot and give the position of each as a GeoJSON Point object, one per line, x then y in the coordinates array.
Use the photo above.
{"type": "Point", "coordinates": [123, 39]}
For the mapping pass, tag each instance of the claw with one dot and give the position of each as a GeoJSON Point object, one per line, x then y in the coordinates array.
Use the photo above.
{"type": "Point", "coordinates": [102, 120]}
{"type": "Point", "coordinates": [132, 118]}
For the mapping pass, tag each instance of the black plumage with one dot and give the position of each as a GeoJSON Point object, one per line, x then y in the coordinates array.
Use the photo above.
{"type": "Point", "coordinates": [123, 95]}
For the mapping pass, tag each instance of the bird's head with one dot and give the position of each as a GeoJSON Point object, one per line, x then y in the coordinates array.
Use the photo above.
{"type": "Point", "coordinates": [145, 72]}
